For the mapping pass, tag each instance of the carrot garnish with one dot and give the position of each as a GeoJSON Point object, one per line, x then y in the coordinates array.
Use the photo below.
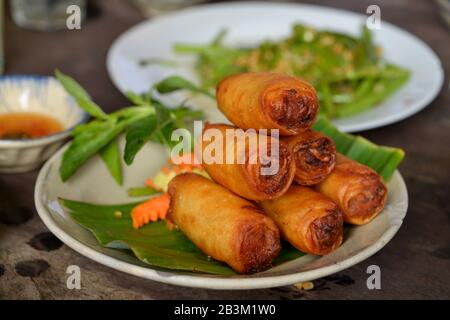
{"type": "Point", "coordinates": [165, 170]}
{"type": "Point", "coordinates": [177, 170]}
{"type": "Point", "coordinates": [156, 208]}
{"type": "Point", "coordinates": [150, 211]}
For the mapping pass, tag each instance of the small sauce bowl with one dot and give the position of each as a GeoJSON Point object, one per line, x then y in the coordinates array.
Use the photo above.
{"type": "Point", "coordinates": [35, 95]}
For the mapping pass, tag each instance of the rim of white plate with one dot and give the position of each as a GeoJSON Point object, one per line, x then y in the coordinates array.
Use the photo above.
{"type": "Point", "coordinates": [206, 282]}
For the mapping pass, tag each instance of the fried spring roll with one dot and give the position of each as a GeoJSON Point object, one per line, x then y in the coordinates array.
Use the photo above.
{"type": "Point", "coordinates": [241, 169]}
{"type": "Point", "coordinates": [307, 219]}
{"type": "Point", "coordinates": [264, 100]}
{"type": "Point", "coordinates": [223, 225]}
{"type": "Point", "coordinates": [314, 156]}
{"type": "Point", "coordinates": [358, 190]}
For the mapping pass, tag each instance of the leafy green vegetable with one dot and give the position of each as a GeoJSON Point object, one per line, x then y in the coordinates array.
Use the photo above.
{"type": "Point", "coordinates": [153, 244]}
{"type": "Point", "coordinates": [85, 145]}
{"type": "Point", "coordinates": [80, 95]}
{"type": "Point", "coordinates": [148, 120]}
{"type": "Point", "coordinates": [175, 83]}
{"type": "Point", "coordinates": [111, 157]}
{"type": "Point", "coordinates": [348, 72]}
{"type": "Point", "coordinates": [170, 119]}
{"type": "Point", "coordinates": [138, 135]}
{"type": "Point", "coordinates": [141, 192]}
{"type": "Point", "coordinates": [379, 91]}
{"type": "Point", "coordinates": [157, 128]}
{"type": "Point", "coordinates": [383, 160]}
{"type": "Point", "coordinates": [89, 140]}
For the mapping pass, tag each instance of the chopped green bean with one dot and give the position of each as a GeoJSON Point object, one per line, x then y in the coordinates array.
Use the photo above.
{"type": "Point", "coordinates": [348, 72]}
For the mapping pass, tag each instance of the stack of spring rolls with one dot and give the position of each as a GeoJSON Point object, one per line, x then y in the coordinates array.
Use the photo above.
{"type": "Point", "coordinates": [238, 217]}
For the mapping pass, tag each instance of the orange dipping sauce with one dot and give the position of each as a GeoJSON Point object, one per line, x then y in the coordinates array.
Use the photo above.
{"type": "Point", "coordinates": [27, 125]}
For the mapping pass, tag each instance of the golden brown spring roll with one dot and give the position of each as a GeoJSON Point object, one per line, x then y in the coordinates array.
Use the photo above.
{"type": "Point", "coordinates": [245, 174]}
{"type": "Point", "coordinates": [314, 156]}
{"type": "Point", "coordinates": [264, 100]}
{"type": "Point", "coordinates": [358, 190]}
{"type": "Point", "coordinates": [223, 225]}
{"type": "Point", "coordinates": [307, 219]}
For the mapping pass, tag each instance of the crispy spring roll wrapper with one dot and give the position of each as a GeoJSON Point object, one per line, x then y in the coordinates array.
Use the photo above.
{"type": "Point", "coordinates": [223, 225]}
{"type": "Point", "coordinates": [245, 178]}
{"type": "Point", "coordinates": [307, 219]}
{"type": "Point", "coordinates": [358, 190]}
{"type": "Point", "coordinates": [264, 100]}
{"type": "Point", "coordinates": [314, 156]}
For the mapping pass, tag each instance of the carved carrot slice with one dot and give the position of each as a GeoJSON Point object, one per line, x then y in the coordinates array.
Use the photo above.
{"type": "Point", "coordinates": [150, 211]}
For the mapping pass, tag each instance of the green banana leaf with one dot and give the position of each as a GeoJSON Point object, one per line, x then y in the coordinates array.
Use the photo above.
{"type": "Point", "coordinates": [154, 243]}
{"type": "Point", "coordinates": [161, 247]}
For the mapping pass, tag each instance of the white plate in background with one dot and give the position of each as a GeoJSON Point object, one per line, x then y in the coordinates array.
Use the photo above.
{"type": "Point", "coordinates": [252, 22]}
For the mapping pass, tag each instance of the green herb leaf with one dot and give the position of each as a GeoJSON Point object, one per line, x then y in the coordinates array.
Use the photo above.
{"type": "Point", "coordinates": [336, 64]}
{"type": "Point", "coordinates": [158, 61]}
{"type": "Point", "coordinates": [218, 39]}
{"type": "Point", "coordinates": [154, 243]}
{"type": "Point", "coordinates": [136, 98]}
{"type": "Point", "coordinates": [111, 157]}
{"type": "Point", "coordinates": [87, 144]}
{"type": "Point", "coordinates": [138, 134]}
{"type": "Point", "coordinates": [80, 95]}
{"type": "Point", "coordinates": [89, 139]}
{"type": "Point", "coordinates": [175, 83]}
{"type": "Point", "coordinates": [142, 192]}
{"type": "Point", "coordinates": [158, 246]}
{"type": "Point", "coordinates": [171, 119]}
{"type": "Point", "coordinates": [150, 120]}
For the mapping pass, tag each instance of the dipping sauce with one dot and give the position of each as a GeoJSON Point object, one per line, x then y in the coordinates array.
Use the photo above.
{"type": "Point", "coordinates": [27, 125]}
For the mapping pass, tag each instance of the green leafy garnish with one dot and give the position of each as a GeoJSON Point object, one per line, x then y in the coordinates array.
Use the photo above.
{"type": "Point", "coordinates": [86, 144]}
{"type": "Point", "coordinates": [141, 192]}
{"type": "Point", "coordinates": [348, 72]}
{"type": "Point", "coordinates": [80, 95]}
{"type": "Point", "coordinates": [175, 83]}
{"type": "Point", "coordinates": [147, 120]}
{"type": "Point", "coordinates": [158, 61]}
{"type": "Point", "coordinates": [154, 244]}
{"type": "Point", "coordinates": [138, 134]}
{"type": "Point", "coordinates": [111, 157]}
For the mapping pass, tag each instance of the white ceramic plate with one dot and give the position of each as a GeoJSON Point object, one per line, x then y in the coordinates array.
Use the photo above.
{"type": "Point", "coordinates": [94, 184]}
{"type": "Point", "coordinates": [250, 23]}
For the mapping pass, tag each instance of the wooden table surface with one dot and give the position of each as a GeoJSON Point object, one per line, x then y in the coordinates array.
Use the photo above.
{"type": "Point", "coordinates": [415, 264]}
